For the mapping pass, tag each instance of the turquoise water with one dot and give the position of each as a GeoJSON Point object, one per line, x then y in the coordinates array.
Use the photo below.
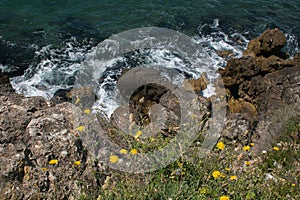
{"type": "Point", "coordinates": [42, 43]}
{"type": "Point", "coordinates": [44, 22]}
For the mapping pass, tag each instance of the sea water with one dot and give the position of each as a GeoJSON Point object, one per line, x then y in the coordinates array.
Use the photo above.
{"type": "Point", "coordinates": [43, 43]}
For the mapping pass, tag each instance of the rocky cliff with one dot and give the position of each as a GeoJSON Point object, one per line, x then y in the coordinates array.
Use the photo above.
{"type": "Point", "coordinates": [43, 157]}
{"type": "Point", "coordinates": [264, 87]}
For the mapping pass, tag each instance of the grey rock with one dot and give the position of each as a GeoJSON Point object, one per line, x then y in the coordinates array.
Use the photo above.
{"type": "Point", "coordinates": [33, 133]}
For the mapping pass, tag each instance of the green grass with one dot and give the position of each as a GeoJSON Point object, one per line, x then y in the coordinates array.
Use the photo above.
{"type": "Point", "coordinates": [272, 175]}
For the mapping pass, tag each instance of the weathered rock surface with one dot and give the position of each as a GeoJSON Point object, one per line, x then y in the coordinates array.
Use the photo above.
{"type": "Point", "coordinates": [269, 43]}
{"type": "Point", "coordinates": [33, 132]}
{"type": "Point", "coordinates": [262, 83]}
{"type": "Point", "coordinates": [263, 92]}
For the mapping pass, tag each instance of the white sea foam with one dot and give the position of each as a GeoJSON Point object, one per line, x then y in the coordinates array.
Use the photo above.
{"type": "Point", "coordinates": [57, 67]}
{"type": "Point", "coordinates": [3, 67]}
{"type": "Point", "coordinates": [54, 71]}
{"type": "Point", "coordinates": [292, 45]}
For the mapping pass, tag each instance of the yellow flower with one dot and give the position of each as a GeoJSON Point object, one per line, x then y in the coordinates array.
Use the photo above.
{"type": "Point", "coordinates": [203, 190]}
{"type": "Point", "coordinates": [133, 151]}
{"type": "Point", "coordinates": [246, 148]}
{"type": "Point", "coordinates": [113, 159]}
{"type": "Point", "coordinates": [220, 145]}
{"type": "Point", "coordinates": [232, 178]}
{"type": "Point", "coordinates": [247, 163]}
{"type": "Point", "coordinates": [138, 134]}
{"type": "Point", "coordinates": [180, 164]}
{"type": "Point", "coordinates": [227, 168]}
{"type": "Point", "coordinates": [44, 169]}
{"type": "Point", "coordinates": [293, 184]}
{"type": "Point", "coordinates": [80, 128]}
{"type": "Point", "coordinates": [123, 151]}
{"type": "Point", "coordinates": [87, 111]}
{"type": "Point", "coordinates": [193, 116]}
{"type": "Point", "coordinates": [53, 162]}
{"type": "Point", "coordinates": [275, 148]}
{"type": "Point", "coordinates": [77, 162]}
{"type": "Point", "coordinates": [217, 174]}
{"type": "Point", "coordinates": [251, 144]}
{"type": "Point", "coordinates": [224, 198]}
{"type": "Point", "coordinates": [77, 100]}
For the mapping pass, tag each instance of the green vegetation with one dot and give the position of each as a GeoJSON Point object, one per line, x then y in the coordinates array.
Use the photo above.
{"type": "Point", "coordinates": [229, 171]}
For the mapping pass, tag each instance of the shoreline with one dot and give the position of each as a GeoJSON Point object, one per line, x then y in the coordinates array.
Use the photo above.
{"type": "Point", "coordinates": [263, 92]}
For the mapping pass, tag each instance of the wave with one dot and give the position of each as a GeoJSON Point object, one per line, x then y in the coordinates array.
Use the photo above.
{"type": "Point", "coordinates": [57, 68]}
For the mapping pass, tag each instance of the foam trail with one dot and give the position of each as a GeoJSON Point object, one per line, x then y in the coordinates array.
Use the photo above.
{"type": "Point", "coordinates": [58, 67]}
{"type": "Point", "coordinates": [55, 71]}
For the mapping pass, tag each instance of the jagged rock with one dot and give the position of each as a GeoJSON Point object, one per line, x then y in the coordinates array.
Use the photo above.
{"type": "Point", "coordinates": [237, 70]}
{"type": "Point", "coordinates": [237, 128]}
{"type": "Point", "coordinates": [240, 74]}
{"type": "Point", "coordinates": [261, 83]}
{"type": "Point", "coordinates": [33, 132]}
{"type": "Point", "coordinates": [263, 89]}
{"type": "Point", "coordinates": [198, 84]}
{"type": "Point", "coordinates": [241, 106]}
{"type": "Point", "coordinates": [227, 54]}
{"type": "Point", "coordinates": [269, 43]}
{"type": "Point", "coordinates": [3, 78]}
{"type": "Point", "coordinates": [5, 86]}
{"type": "Point", "coordinates": [273, 90]}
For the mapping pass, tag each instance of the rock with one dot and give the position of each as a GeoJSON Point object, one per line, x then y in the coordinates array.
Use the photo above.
{"type": "Point", "coordinates": [227, 54]}
{"type": "Point", "coordinates": [241, 106]}
{"type": "Point", "coordinates": [297, 58]}
{"type": "Point", "coordinates": [271, 64]}
{"type": "Point", "coordinates": [198, 84]}
{"type": "Point", "coordinates": [237, 70]}
{"type": "Point", "coordinates": [262, 83]}
{"type": "Point", "coordinates": [275, 89]}
{"type": "Point", "coordinates": [62, 95]}
{"type": "Point", "coordinates": [3, 78]}
{"type": "Point", "coordinates": [236, 129]}
{"type": "Point", "coordinates": [13, 122]}
{"type": "Point", "coordinates": [32, 132]}
{"type": "Point", "coordinates": [277, 102]}
{"type": "Point", "coordinates": [269, 43]}
{"type": "Point", "coordinates": [263, 93]}
{"type": "Point", "coordinates": [142, 99]}
{"type": "Point", "coordinates": [5, 86]}
{"type": "Point", "coordinates": [152, 106]}
{"type": "Point", "coordinates": [271, 126]}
